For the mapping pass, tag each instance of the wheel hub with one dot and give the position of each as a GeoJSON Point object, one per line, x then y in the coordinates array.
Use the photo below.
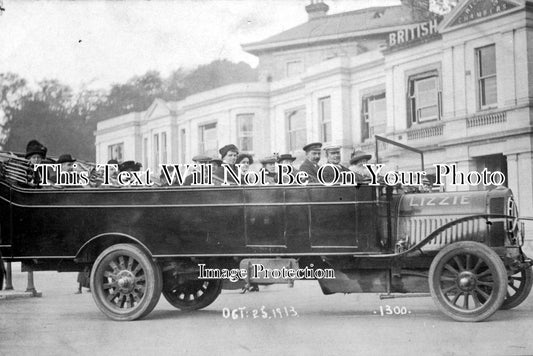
{"type": "Point", "coordinates": [125, 281]}
{"type": "Point", "coordinates": [466, 281]}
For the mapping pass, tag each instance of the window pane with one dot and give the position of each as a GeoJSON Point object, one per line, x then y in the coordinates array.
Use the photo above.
{"type": "Point", "coordinates": [246, 144]}
{"type": "Point", "coordinates": [297, 136]}
{"type": "Point", "coordinates": [488, 91]}
{"type": "Point", "coordinates": [426, 92]}
{"type": "Point", "coordinates": [324, 105]}
{"type": "Point", "coordinates": [487, 59]}
{"type": "Point", "coordinates": [326, 132]}
{"type": "Point", "coordinates": [208, 139]}
{"type": "Point", "coordinates": [245, 134]}
{"type": "Point", "coordinates": [427, 113]}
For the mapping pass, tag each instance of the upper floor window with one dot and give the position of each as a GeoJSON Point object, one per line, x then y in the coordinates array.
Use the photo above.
{"type": "Point", "coordinates": [245, 131]}
{"type": "Point", "coordinates": [486, 76]}
{"type": "Point", "coordinates": [373, 115]}
{"type": "Point", "coordinates": [324, 112]}
{"type": "Point", "coordinates": [294, 68]}
{"type": "Point", "coordinates": [116, 152]}
{"type": "Point", "coordinates": [207, 140]}
{"type": "Point", "coordinates": [296, 129]}
{"type": "Point", "coordinates": [424, 97]}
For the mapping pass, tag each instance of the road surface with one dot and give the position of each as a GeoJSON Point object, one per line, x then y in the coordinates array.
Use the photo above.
{"type": "Point", "coordinates": [63, 323]}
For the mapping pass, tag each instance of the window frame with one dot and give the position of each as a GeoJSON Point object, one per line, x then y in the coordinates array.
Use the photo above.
{"type": "Point", "coordinates": [321, 118]}
{"type": "Point", "coordinates": [366, 120]}
{"type": "Point", "coordinates": [110, 150]}
{"type": "Point", "coordinates": [201, 139]}
{"type": "Point", "coordinates": [413, 97]}
{"type": "Point", "coordinates": [241, 135]}
{"type": "Point", "coordinates": [481, 78]}
{"type": "Point", "coordinates": [288, 114]}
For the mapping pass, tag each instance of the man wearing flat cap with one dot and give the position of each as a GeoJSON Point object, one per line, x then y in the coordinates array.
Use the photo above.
{"type": "Point", "coordinates": [359, 158]}
{"type": "Point", "coordinates": [229, 155]}
{"type": "Point", "coordinates": [333, 157]}
{"type": "Point", "coordinates": [312, 156]}
{"type": "Point", "coordinates": [198, 159]}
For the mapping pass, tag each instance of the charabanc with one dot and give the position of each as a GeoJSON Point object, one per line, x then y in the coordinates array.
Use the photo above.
{"type": "Point", "coordinates": [140, 242]}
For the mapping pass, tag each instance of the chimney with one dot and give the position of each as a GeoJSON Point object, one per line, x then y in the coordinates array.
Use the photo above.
{"type": "Point", "coordinates": [316, 9]}
{"type": "Point", "coordinates": [419, 9]}
{"type": "Point", "coordinates": [417, 4]}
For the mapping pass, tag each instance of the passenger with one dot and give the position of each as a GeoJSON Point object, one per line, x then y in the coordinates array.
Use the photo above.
{"type": "Point", "coordinates": [67, 165]}
{"type": "Point", "coordinates": [287, 159]}
{"type": "Point", "coordinates": [269, 165]}
{"type": "Point", "coordinates": [229, 155]}
{"type": "Point", "coordinates": [312, 157]}
{"type": "Point", "coordinates": [198, 159]}
{"type": "Point", "coordinates": [359, 158]}
{"type": "Point", "coordinates": [35, 153]}
{"type": "Point", "coordinates": [333, 156]}
{"type": "Point", "coordinates": [113, 173]}
{"type": "Point", "coordinates": [129, 166]}
{"type": "Point", "coordinates": [216, 162]}
{"type": "Point", "coordinates": [245, 160]}
{"type": "Point", "coordinates": [96, 177]}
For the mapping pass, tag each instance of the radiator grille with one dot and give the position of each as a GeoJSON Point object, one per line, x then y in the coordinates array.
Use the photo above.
{"type": "Point", "coordinates": [418, 228]}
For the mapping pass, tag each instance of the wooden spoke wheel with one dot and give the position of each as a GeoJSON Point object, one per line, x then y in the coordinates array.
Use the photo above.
{"type": "Point", "coordinates": [468, 281]}
{"type": "Point", "coordinates": [518, 288]}
{"type": "Point", "coordinates": [193, 294]}
{"type": "Point", "coordinates": [126, 284]}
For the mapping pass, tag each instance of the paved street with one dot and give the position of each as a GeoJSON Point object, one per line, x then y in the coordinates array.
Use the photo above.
{"type": "Point", "coordinates": [62, 323]}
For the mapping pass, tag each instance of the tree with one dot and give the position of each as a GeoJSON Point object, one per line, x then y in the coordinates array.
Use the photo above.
{"type": "Point", "coordinates": [51, 115]}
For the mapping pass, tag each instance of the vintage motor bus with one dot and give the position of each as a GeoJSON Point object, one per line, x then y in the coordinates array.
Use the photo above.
{"type": "Point", "coordinates": [462, 247]}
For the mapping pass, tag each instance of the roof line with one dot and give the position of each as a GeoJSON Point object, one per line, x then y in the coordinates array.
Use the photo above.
{"type": "Point", "coordinates": [258, 46]}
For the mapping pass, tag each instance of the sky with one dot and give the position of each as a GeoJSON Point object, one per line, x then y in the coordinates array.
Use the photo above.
{"type": "Point", "coordinates": [97, 43]}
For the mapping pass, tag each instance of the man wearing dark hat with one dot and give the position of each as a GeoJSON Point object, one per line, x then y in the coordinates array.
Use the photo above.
{"type": "Point", "coordinates": [333, 157]}
{"type": "Point", "coordinates": [359, 158]}
{"type": "Point", "coordinates": [35, 152]}
{"type": "Point", "coordinates": [229, 155]}
{"type": "Point", "coordinates": [198, 159]}
{"type": "Point", "coordinates": [67, 165]}
{"type": "Point", "coordinates": [312, 156]}
{"type": "Point", "coordinates": [129, 166]}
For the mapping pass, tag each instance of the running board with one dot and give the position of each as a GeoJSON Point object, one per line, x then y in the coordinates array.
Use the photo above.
{"type": "Point", "coordinates": [403, 295]}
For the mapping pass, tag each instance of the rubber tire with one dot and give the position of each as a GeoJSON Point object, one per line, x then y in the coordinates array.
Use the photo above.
{"type": "Point", "coordinates": [153, 280]}
{"type": "Point", "coordinates": [522, 294]}
{"type": "Point", "coordinates": [492, 260]}
{"type": "Point", "coordinates": [214, 289]}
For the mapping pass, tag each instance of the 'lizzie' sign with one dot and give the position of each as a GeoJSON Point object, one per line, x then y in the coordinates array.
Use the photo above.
{"type": "Point", "coordinates": [413, 33]}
